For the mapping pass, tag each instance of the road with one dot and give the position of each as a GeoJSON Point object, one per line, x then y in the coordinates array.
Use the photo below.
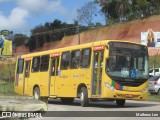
{"type": "Point", "coordinates": [108, 107]}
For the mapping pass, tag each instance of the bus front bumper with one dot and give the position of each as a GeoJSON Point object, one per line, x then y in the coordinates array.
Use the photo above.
{"type": "Point", "coordinates": [123, 94]}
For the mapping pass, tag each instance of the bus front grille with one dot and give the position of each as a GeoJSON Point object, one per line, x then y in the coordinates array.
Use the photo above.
{"type": "Point", "coordinates": [126, 83]}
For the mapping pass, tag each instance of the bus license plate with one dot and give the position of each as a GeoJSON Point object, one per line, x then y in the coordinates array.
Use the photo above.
{"type": "Point", "coordinates": [129, 96]}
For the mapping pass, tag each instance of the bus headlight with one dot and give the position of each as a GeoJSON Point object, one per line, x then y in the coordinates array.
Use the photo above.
{"type": "Point", "coordinates": [144, 90]}
{"type": "Point", "coordinates": [109, 86]}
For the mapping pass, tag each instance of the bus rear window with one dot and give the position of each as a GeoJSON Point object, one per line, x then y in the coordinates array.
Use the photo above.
{"type": "Point", "coordinates": [20, 66]}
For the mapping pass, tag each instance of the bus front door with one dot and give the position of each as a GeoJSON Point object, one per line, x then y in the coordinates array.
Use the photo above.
{"type": "Point", "coordinates": [97, 73]}
{"type": "Point", "coordinates": [54, 75]}
{"type": "Point", "coordinates": [26, 78]}
{"type": "Point", "coordinates": [19, 77]}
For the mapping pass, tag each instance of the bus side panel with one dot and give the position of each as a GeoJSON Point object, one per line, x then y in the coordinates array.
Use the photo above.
{"type": "Point", "coordinates": [80, 76]}
{"type": "Point", "coordinates": [16, 88]}
{"type": "Point", "coordinates": [65, 84]}
{"type": "Point", "coordinates": [69, 80]}
{"type": "Point", "coordinates": [43, 80]}
{"type": "Point", "coordinates": [20, 84]}
{"type": "Point", "coordinates": [33, 81]}
{"type": "Point", "coordinates": [39, 79]}
{"type": "Point", "coordinates": [19, 81]}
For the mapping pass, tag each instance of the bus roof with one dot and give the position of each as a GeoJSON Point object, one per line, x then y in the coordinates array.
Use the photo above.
{"type": "Point", "coordinates": [102, 42]}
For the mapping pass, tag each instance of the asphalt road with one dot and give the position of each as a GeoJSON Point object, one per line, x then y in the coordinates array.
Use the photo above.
{"type": "Point", "coordinates": [143, 108]}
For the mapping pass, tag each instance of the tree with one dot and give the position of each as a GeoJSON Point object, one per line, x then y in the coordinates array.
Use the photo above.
{"type": "Point", "coordinates": [50, 31]}
{"type": "Point", "coordinates": [142, 7]}
{"type": "Point", "coordinates": [128, 9]}
{"type": "Point", "coordinates": [19, 39]}
{"type": "Point", "coordinates": [56, 24]}
{"type": "Point", "coordinates": [154, 6]}
{"type": "Point", "coordinates": [108, 8]}
{"type": "Point", "coordinates": [87, 13]}
{"type": "Point", "coordinates": [98, 24]}
{"type": "Point", "coordinates": [123, 7]}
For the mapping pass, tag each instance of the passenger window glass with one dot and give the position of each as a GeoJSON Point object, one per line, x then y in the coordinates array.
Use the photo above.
{"type": "Point", "coordinates": [54, 66]}
{"type": "Point", "coordinates": [65, 60]}
{"type": "Point", "coordinates": [35, 64]}
{"type": "Point", "coordinates": [75, 59]}
{"type": "Point", "coordinates": [156, 70]}
{"type": "Point", "coordinates": [140, 63]}
{"type": "Point", "coordinates": [20, 66]}
{"type": "Point", "coordinates": [85, 58]}
{"type": "Point", "coordinates": [27, 69]}
{"type": "Point", "coordinates": [44, 63]}
{"type": "Point", "coordinates": [151, 71]}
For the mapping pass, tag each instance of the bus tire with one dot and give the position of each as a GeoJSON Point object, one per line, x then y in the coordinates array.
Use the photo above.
{"type": "Point", "coordinates": [36, 93]}
{"type": "Point", "coordinates": [84, 97]}
{"type": "Point", "coordinates": [67, 100]}
{"type": "Point", "coordinates": [120, 103]}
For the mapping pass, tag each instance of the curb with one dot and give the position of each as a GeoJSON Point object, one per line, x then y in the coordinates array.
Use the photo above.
{"type": "Point", "coordinates": [21, 103]}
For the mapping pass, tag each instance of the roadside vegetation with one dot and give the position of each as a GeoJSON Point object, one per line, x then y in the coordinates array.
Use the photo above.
{"type": "Point", "coordinates": [7, 71]}
{"type": "Point", "coordinates": [153, 98]}
{"type": "Point", "coordinates": [7, 88]}
{"type": "Point", "coordinates": [154, 60]}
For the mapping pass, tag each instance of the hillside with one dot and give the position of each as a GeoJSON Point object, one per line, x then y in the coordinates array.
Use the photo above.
{"type": "Point", "coordinates": [130, 31]}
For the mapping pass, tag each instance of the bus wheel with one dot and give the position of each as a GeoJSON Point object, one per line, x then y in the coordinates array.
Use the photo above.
{"type": "Point", "coordinates": [120, 103]}
{"type": "Point", "coordinates": [67, 100]}
{"type": "Point", "coordinates": [36, 93]}
{"type": "Point", "coordinates": [84, 97]}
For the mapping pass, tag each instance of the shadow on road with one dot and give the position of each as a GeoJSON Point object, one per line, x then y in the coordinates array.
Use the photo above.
{"type": "Point", "coordinates": [106, 104]}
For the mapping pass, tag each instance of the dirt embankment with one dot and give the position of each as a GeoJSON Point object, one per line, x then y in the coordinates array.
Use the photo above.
{"type": "Point", "coordinates": [130, 31]}
{"type": "Point", "coordinates": [20, 50]}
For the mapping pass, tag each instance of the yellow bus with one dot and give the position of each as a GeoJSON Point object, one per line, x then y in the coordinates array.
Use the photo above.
{"type": "Point", "coordinates": [104, 70]}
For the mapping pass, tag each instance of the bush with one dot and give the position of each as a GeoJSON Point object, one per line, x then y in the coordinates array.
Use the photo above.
{"type": "Point", "coordinates": [7, 70]}
{"type": "Point", "coordinates": [154, 59]}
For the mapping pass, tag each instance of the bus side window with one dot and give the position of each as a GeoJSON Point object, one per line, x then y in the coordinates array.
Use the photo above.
{"type": "Point", "coordinates": [65, 60]}
{"type": "Point", "coordinates": [57, 67]}
{"type": "Point", "coordinates": [27, 69]}
{"type": "Point", "coordinates": [35, 64]}
{"type": "Point", "coordinates": [20, 66]}
{"type": "Point", "coordinates": [85, 58]}
{"type": "Point", "coordinates": [75, 59]}
{"type": "Point", "coordinates": [44, 63]}
{"type": "Point", "coordinates": [54, 67]}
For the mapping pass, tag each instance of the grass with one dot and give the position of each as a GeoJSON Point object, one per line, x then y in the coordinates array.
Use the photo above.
{"type": "Point", "coordinates": [153, 98]}
{"type": "Point", "coordinates": [154, 59]}
{"type": "Point", "coordinates": [6, 88]}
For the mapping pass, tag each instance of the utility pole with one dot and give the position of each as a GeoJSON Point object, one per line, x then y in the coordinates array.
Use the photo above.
{"type": "Point", "coordinates": [78, 35]}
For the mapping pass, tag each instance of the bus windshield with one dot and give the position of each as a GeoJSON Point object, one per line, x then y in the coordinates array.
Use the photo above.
{"type": "Point", "coordinates": [128, 63]}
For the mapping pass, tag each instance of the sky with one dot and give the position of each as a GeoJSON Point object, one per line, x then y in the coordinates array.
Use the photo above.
{"type": "Point", "coordinates": [21, 16]}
